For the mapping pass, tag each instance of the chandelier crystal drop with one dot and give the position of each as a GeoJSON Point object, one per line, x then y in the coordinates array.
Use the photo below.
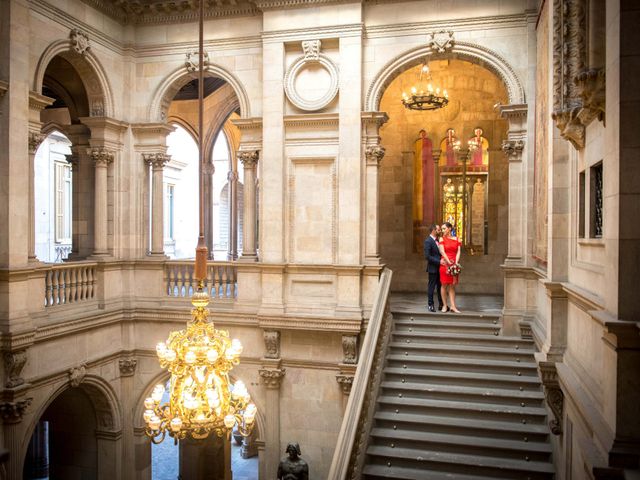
{"type": "Point", "coordinates": [423, 95]}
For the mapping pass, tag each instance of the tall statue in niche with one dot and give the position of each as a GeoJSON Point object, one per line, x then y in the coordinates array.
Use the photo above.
{"type": "Point", "coordinates": [480, 156]}
{"type": "Point", "coordinates": [448, 149]}
{"type": "Point", "coordinates": [293, 467]}
{"type": "Point", "coordinates": [423, 188]}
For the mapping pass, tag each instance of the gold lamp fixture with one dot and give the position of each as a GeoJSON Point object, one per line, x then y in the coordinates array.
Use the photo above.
{"type": "Point", "coordinates": [423, 95]}
{"type": "Point", "coordinates": [202, 399]}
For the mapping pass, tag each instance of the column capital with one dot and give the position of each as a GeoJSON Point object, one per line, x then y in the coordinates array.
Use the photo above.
{"type": "Point", "coordinates": [345, 382]}
{"type": "Point", "coordinates": [101, 156]}
{"type": "Point", "coordinates": [35, 139]}
{"type": "Point", "coordinates": [127, 366]}
{"type": "Point", "coordinates": [157, 160]}
{"type": "Point", "coordinates": [12, 412]}
{"type": "Point", "coordinates": [249, 158]}
{"type": "Point", "coordinates": [13, 364]}
{"type": "Point", "coordinates": [374, 154]}
{"type": "Point", "coordinates": [513, 149]}
{"type": "Point", "coordinates": [272, 378]}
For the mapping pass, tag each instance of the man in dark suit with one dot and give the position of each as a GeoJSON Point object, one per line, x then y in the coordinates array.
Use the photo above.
{"type": "Point", "coordinates": [432, 255]}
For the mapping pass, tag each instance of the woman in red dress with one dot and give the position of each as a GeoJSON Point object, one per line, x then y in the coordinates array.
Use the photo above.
{"type": "Point", "coordinates": [450, 248]}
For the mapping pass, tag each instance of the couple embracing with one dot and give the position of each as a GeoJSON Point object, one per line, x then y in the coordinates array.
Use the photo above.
{"type": "Point", "coordinates": [442, 252]}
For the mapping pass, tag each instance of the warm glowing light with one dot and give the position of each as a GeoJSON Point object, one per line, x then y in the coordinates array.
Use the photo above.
{"type": "Point", "coordinates": [425, 97]}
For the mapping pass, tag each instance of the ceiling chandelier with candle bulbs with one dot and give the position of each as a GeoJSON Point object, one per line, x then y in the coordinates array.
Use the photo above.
{"type": "Point", "coordinates": [423, 95]}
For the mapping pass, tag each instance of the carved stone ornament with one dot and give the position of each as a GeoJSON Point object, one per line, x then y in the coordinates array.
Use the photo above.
{"type": "Point", "coordinates": [272, 377]}
{"type": "Point", "coordinates": [76, 375]}
{"type": "Point", "coordinates": [127, 366]}
{"type": "Point", "coordinates": [553, 394]}
{"type": "Point", "coordinates": [272, 344]}
{"type": "Point", "coordinates": [193, 59]}
{"type": "Point", "coordinates": [35, 139]}
{"type": "Point", "coordinates": [441, 41]}
{"type": "Point", "coordinates": [97, 108]}
{"type": "Point", "coordinates": [156, 160]}
{"type": "Point", "coordinates": [591, 88]}
{"type": "Point", "coordinates": [79, 41]}
{"type": "Point", "coordinates": [311, 49]}
{"type": "Point", "coordinates": [570, 126]}
{"type": "Point", "coordinates": [13, 364]}
{"type": "Point", "coordinates": [12, 412]}
{"type": "Point", "coordinates": [374, 154]}
{"type": "Point", "coordinates": [350, 349]}
{"type": "Point", "coordinates": [513, 149]}
{"type": "Point", "coordinates": [72, 159]}
{"type": "Point", "coordinates": [345, 382]}
{"type": "Point", "coordinates": [249, 158]}
{"type": "Point", "coordinates": [101, 156]}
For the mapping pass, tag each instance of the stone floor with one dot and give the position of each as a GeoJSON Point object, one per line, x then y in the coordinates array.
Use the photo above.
{"type": "Point", "coordinates": [417, 302]}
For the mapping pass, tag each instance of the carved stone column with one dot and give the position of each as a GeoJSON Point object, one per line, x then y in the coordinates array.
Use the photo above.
{"type": "Point", "coordinates": [232, 250]}
{"type": "Point", "coordinates": [249, 161]}
{"type": "Point", "coordinates": [373, 154]}
{"type": "Point", "coordinates": [157, 161]}
{"type": "Point", "coordinates": [11, 413]}
{"type": "Point", "coordinates": [101, 158]}
{"type": "Point", "coordinates": [272, 378]}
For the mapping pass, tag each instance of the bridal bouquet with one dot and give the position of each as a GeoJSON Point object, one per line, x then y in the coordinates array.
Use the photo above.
{"type": "Point", "coordinates": [454, 269]}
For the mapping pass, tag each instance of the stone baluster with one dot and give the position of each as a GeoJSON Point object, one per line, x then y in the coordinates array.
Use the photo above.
{"type": "Point", "coordinates": [157, 161]}
{"type": "Point", "coordinates": [101, 158]}
{"type": "Point", "coordinates": [249, 161]}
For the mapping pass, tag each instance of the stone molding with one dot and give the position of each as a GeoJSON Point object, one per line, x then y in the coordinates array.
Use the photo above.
{"type": "Point", "coordinates": [38, 102]}
{"type": "Point", "coordinates": [79, 41]}
{"type": "Point", "coordinates": [513, 149]}
{"type": "Point", "coordinates": [157, 160]}
{"type": "Point", "coordinates": [312, 120]}
{"type": "Point", "coordinates": [35, 140]}
{"type": "Point", "coordinates": [13, 364]}
{"type": "Point", "coordinates": [441, 41]}
{"type": "Point", "coordinates": [374, 154]}
{"type": "Point", "coordinates": [101, 156]}
{"type": "Point", "coordinates": [127, 366]}
{"type": "Point", "coordinates": [272, 378]}
{"type": "Point", "coordinates": [249, 159]}
{"type": "Point", "coordinates": [76, 375]}
{"type": "Point", "coordinates": [12, 412]}
{"type": "Point", "coordinates": [553, 394]}
{"type": "Point", "coordinates": [345, 382]}
{"type": "Point", "coordinates": [193, 60]}
{"type": "Point", "coordinates": [350, 349]}
{"type": "Point", "coordinates": [591, 88]}
{"type": "Point", "coordinates": [272, 344]}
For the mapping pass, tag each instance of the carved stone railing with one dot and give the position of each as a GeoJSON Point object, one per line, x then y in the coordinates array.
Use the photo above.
{"type": "Point", "coordinates": [69, 283]}
{"type": "Point", "coordinates": [348, 456]}
{"type": "Point", "coordinates": [221, 282]}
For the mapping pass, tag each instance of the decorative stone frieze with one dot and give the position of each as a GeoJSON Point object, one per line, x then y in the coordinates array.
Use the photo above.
{"type": "Point", "coordinates": [101, 156]}
{"type": "Point", "coordinates": [513, 149]}
{"type": "Point", "coordinates": [79, 41]}
{"type": "Point", "coordinates": [12, 412]}
{"type": "Point", "coordinates": [441, 41]}
{"type": "Point", "coordinates": [350, 349]}
{"type": "Point", "coordinates": [374, 154]}
{"type": "Point", "coordinates": [272, 343]}
{"type": "Point", "coordinates": [553, 394]}
{"type": "Point", "coordinates": [76, 375]}
{"type": "Point", "coordinates": [591, 88]}
{"type": "Point", "coordinates": [345, 382]}
{"type": "Point", "coordinates": [13, 364]}
{"type": "Point", "coordinates": [127, 366]}
{"type": "Point", "coordinates": [192, 61]}
{"type": "Point", "coordinates": [249, 159]}
{"type": "Point", "coordinates": [157, 160]}
{"type": "Point", "coordinates": [35, 139]}
{"type": "Point", "coordinates": [311, 50]}
{"type": "Point", "coordinates": [272, 378]}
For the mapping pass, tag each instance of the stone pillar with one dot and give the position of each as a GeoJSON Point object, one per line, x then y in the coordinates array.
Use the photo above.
{"type": "Point", "coordinates": [232, 178]}
{"type": "Point", "coordinates": [11, 413]}
{"type": "Point", "coordinates": [127, 367]}
{"type": "Point", "coordinates": [157, 161]}
{"type": "Point", "coordinates": [142, 454]}
{"type": "Point", "coordinates": [272, 376]}
{"type": "Point", "coordinates": [101, 158]}
{"type": "Point", "coordinates": [249, 161]}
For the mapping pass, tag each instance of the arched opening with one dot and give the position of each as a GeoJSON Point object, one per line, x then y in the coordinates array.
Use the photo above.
{"type": "Point", "coordinates": [425, 181]}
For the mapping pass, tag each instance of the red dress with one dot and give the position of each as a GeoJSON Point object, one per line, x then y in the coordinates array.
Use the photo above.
{"type": "Point", "coordinates": [451, 246]}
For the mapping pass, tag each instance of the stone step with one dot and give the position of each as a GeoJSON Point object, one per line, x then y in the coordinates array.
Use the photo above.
{"type": "Point", "coordinates": [510, 379]}
{"type": "Point", "coordinates": [379, 472]}
{"type": "Point", "coordinates": [533, 415]}
{"type": "Point", "coordinates": [461, 393]}
{"type": "Point", "coordinates": [459, 463]}
{"type": "Point", "coordinates": [475, 317]}
{"type": "Point", "coordinates": [467, 351]}
{"type": "Point", "coordinates": [458, 364]}
{"type": "Point", "coordinates": [449, 443]}
{"type": "Point", "coordinates": [490, 338]}
{"type": "Point", "coordinates": [477, 427]}
{"type": "Point", "coordinates": [446, 326]}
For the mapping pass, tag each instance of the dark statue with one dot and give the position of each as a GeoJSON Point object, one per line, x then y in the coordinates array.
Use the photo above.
{"type": "Point", "coordinates": [293, 467]}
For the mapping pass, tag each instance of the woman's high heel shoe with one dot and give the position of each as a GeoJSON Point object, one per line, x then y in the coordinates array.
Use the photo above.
{"type": "Point", "coordinates": [445, 309]}
{"type": "Point", "coordinates": [454, 310]}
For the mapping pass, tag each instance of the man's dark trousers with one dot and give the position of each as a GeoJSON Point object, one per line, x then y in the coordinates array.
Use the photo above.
{"type": "Point", "coordinates": [432, 255]}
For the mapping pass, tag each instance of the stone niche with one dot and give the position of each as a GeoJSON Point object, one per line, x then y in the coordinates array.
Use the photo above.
{"type": "Point", "coordinates": [474, 92]}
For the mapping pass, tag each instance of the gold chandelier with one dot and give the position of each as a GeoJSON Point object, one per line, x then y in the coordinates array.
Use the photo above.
{"type": "Point", "coordinates": [423, 95]}
{"type": "Point", "coordinates": [202, 400]}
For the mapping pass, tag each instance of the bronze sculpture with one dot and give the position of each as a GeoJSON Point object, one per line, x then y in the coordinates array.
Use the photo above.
{"type": "Point", "coordinates": [293, 467]}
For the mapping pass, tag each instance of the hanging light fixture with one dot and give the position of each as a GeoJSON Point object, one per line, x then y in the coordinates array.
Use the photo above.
{"type": "Point", "coordinates": [202, 399]}
{"type": "Point", "coordinates": [423, 95]}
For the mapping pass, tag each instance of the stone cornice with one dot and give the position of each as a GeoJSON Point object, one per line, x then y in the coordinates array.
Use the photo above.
{"type": "Point", "coordinates": [583, 299]}
{"type": "Point", "coordinates": [312, 120]}
{"type": "Point", "coordinates": [318, 33]}
{"type": "Point", "coordinates": [39, 102]}
{"type": "Point", "coordinates": [301, 322]}
{"type": "Point", "coordinates": [266, 5]}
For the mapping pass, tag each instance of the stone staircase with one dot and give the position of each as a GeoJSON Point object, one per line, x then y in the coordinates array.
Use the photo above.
{"type": "Point", "coordinates": [458, 401]}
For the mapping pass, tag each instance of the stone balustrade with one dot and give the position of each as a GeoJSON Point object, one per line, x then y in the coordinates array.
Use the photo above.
{"type": "Point", "coordinates": [69, 283]}
{"type": "Point", "coordinates": [222, 279]}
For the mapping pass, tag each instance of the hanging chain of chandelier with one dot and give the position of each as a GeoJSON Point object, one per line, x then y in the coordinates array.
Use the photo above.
{"type": "Point", "coordinates": [423, 95]}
